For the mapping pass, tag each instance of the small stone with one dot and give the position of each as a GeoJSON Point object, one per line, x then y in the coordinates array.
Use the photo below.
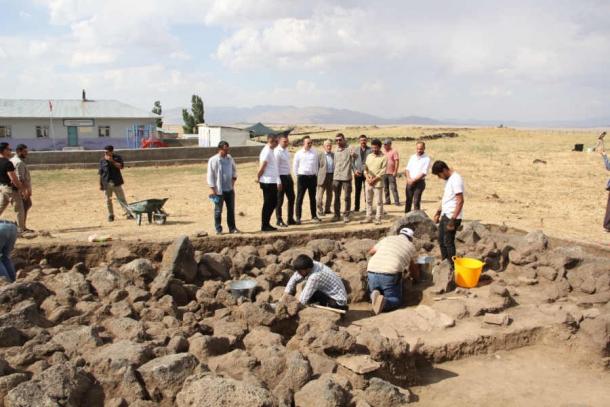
{"type": "Point", "coordinates": [496, 319]}
{"type": "Point", "coordinates": [591, 313]}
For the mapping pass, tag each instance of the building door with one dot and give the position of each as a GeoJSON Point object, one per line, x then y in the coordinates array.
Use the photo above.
{"type": "Point", "coordinates": [72, 136]}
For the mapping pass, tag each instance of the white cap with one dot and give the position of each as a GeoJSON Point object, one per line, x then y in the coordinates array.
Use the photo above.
{"type": "Point", "coordinates": [407, 232]}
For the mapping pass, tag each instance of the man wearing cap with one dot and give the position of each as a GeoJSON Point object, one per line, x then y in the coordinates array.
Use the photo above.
{"type": "Point", "coordinates": [392, 256]}
{"type": "Point", "coordinates": [221, 177]}
{"type": "Point", "coordinates": [389, 180]}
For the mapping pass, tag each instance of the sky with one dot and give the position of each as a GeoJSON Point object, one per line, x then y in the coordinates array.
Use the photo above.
{"type": "Point", "coordinates": [506, 60]}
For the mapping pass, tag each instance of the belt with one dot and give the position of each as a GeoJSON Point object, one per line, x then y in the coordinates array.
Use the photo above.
{"type": "Point", "coordinates": [385, 274]}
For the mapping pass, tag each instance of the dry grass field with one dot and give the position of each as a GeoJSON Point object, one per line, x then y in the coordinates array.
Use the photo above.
{"type": "Point", "coordinates": [565, 196]}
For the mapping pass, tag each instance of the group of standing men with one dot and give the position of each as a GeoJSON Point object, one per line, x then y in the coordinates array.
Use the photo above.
{"type": "Point", "coordinates": [329, 173]}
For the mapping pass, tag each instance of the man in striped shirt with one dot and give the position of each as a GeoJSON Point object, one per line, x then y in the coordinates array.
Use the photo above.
{"type": "Point", "coordinates": [323, 286]}
{"type": "Point", "coordinates": [392, 255]}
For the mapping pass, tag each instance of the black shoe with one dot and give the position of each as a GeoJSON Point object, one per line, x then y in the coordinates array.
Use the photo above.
{"type": "Point", "coordinates": [268, 229]}
{"type": "Point", "coordinates": [297, 222]}
{"type": "Point", "coordinates": [281, 224]}
{"type": "Point", "coordinates": [233, 231]}
{"type": "Point", "coordinates": [292, 222]}
{"type": "Point", "coordinates": [110, 218]}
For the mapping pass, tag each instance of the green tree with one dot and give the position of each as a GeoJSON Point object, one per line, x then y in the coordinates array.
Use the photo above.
{"type": "Point", "coordinates": [158, 110]}
{"type": "Point", "coordinates": [196, 117]}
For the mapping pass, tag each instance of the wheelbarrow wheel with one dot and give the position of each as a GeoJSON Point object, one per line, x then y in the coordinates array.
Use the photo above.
{"type": "Point", "coordinates": [160, 219]}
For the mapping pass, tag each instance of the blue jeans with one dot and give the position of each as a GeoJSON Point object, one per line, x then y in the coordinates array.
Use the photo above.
{"type": "Point", "coordinates": [8, 236]}
{"type": "Point", "coordinates": [228, 198]}
{"type": "Point", "coordinates": [390, 285]}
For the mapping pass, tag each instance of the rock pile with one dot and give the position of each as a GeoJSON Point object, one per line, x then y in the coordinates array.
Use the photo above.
{"type": "Point", "coordinates": [132, 332]}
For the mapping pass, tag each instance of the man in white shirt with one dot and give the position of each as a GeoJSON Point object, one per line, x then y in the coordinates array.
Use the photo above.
{"type": "Point", "coordinates": [416, 172]}
{"type": "Point", "coordinates": [268, 178]}
{"type": "Point", "coordinates": [305, 166]}
{"type": "Point", "coordinates": [282, 156]}
{"type": "Point", "coordinates": [450, 213]}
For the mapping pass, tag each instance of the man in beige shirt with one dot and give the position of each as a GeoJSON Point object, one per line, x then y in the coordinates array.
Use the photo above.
{"type": "Point", "coordinates": [22, 202]}
{"type": "Point", "coordinates": [392, 256]}
{"type": "Point", "coordinates": [374, 171]}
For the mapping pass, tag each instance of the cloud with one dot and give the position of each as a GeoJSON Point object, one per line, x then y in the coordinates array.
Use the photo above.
{"type": "Point", "coordinates": [520, 59]}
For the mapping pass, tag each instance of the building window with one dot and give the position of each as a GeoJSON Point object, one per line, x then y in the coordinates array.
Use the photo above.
{"type": "Point", "coordinates": [5, 131]}
{"type": "Point", "coordinates": [104, 131]}
{"type": "Point", "coordinates": [42, 131]}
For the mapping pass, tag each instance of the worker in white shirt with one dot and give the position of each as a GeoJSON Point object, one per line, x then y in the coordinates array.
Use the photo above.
{"type": "Point", "coordinates": [268, 178]}
{"type": "Point", "coordinates": [305, 166]}
{"type": "Point", "coordinates": [282, 156]}
{"type": "Point", "coordinates": [449, 216]}
{"type": "Point", "coordinates": [416, 172]}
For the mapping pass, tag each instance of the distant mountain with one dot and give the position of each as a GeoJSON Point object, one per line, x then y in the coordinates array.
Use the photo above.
{"type": "Point", "coordinates": [292, 115]}
{"type": "Point", "coordinates": [327, 115]}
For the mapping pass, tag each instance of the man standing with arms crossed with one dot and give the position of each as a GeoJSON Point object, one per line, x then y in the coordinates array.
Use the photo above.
{"type": "Point", "coordinates": [268, 178]}
{"type": "Point", "coordinates": [305, 166]}
{"type": "Point", "coordinates": [450, 213]}
{"type": "Point", "coordinates": [326, 168]}
{"type": "Point", "coordinates": [416, 172]}
{"type": "Point", "coordinates": [282, 156]}
{"type": "Point", "coordinates": [374, 170]}
{"type": "Point", "coordinates": [360, 158]}
{"type": "Point", "coordinates": [342, 178]}
{"type": "Point", "coordinates": [389, 180]}
{"type": "Point", "coordinates": [222, 174]}
{"type": "Point", "coordinates": [22, 203]}
{"type": "Point", "coordinates": [111, 180]}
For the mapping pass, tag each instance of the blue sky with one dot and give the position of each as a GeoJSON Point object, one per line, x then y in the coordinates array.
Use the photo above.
{"type": "Point", "coordinates": [506, 60]}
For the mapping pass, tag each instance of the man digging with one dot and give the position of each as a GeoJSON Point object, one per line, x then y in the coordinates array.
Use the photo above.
{"type": "Point", "coordinates": [323, 286]}
{"type": "Point", "coordinates": [392, 255]}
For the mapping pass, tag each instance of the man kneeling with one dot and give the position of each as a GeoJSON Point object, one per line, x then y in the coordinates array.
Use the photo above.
{"type": "Point", "coordinates": [392, 255]}
{"type": "Point", "coordinates": [323, 286]}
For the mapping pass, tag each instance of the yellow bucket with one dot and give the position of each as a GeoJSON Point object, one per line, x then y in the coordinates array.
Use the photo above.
{"type": "Point", "coordinates": [467, 271]}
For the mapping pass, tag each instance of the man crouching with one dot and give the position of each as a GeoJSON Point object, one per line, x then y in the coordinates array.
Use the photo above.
{"type": "Point", "coordinates": [392, 255]}
{"type": "Point", "coordinates": [323, 286]}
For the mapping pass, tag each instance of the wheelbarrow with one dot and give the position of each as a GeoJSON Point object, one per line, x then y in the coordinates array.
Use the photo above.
{"type": "Point", "coordinates": [151, 207]}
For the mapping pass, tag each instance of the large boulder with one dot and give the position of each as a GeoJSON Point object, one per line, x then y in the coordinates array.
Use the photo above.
{"type": "Point", "coordinates": [13, 294]}
{"type": "Point", "coordinates": [179, 260]}
{"type": "Point", "coordinates": [212, 391]}
{"type": "Point", "coordinates": [286, 258]}
{"type": "Point", "coordinates": [358, 249]}
{"type": "Point", "coordinates": [60, 385]}
{"type": "Point", "coordinates": [119, 355]}
{"type": "Point", "coordinates": [105, 280]}
{"type": "Point", "coordinates": [472, 233]}
{"type": "Point", "coordinates": [297, 373]}
{"type": "Point", "coordinates": [163, 376]}
{"type": "Point", "coordinates": [321, 247]}
{"type": "Point", "coordinates": [139, 272]}
{"type": "Point", "coordinates": [71, 280]}
{"type": "Point", "coordinates": [416, 220]}
{"type": "Point", "coordinates": [24, 315]}
{"type": "Point", "coordinates": [381, 393]}
{"type": "Point", "coordinates": [354, 278]}
{"type": "Point", "coordinates": [217, 265]}
{"type": "Point", "coordinates": [322, 392]}
{"type": "Point", "coordinates": [77, 339]}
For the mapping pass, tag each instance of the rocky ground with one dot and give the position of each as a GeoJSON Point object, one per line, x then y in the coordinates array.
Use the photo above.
{"type": "Point", "coordinates": [133, 332]}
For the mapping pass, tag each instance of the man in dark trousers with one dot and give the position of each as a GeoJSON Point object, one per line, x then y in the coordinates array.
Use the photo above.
{"type": "Point", "coordinates": [326, 168]}
{"type": "Point", "coordinates": [416, 172]}
{"type": "Point", "coordinates": [221, 177]}
{"type": "Point", "coordinates": [359, 178]}
{"type": "Point", "coordinates": [268, 178]}
{"type": "Point", "coordinates": [11, 189]}
{"type": "Point", "coordinates": [111, 180]}
{"type": "Point", "coordinates": [449, 216]}
{"type": "Point", "coordinates": [305, 167]}
{"type": "Point", "coordinates": [282, 156]}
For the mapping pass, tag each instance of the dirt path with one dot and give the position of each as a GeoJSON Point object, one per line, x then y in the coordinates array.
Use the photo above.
{"type": "Point", "coordinates": [533, 376]}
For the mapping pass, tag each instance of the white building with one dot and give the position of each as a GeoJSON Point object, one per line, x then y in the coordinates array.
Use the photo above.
{"type": "Point", "coordinates": [210, 136]}
{"type": "Point", "coordinates": [90, 124]}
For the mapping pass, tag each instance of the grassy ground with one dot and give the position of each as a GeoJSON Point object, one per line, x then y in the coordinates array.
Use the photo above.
{"type": "Point", "coordinates": [565, 196]}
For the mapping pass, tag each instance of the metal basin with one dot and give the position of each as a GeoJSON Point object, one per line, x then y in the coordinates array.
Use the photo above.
{"type": "Point", "coordinates": [425, 263]}
{"type": "Point", "coordinates": [242, 288]}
